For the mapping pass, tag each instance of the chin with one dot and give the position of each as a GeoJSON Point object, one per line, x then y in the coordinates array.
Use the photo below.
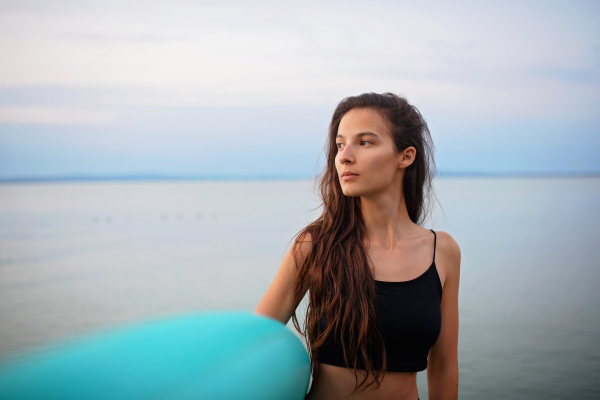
{"type": "Point", "coordinates": [352, 192]}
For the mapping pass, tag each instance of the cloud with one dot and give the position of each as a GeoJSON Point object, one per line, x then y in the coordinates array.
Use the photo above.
{"type": "Point", "coordinates": [52, 115]}
{"type": "Point", "coordinates": [465, 56]}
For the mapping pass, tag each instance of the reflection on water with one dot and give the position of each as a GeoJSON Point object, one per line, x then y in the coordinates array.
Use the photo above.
{"type": "Point", "coordinates": [77, 257]}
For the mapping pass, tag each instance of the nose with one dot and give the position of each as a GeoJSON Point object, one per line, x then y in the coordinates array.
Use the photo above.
{"type": "Point", "coordinates": [345, 155]}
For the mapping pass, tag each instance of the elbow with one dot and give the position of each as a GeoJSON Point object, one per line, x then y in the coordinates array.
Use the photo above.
{"type": "Point", "coordinates": [443, 383]}
{"type": "Point", "coordinates": [262, 313]}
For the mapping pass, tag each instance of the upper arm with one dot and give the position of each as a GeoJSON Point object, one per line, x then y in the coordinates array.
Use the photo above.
{"type": "Point", "coordinates": [444, 351]}
{"type": "Point", "coordinates": [278, 300]}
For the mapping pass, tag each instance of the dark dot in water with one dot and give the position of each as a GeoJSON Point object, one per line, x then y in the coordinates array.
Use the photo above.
{"type": "Point", "coordinates": [214, 215]}
{"type": "Point", "coordinates": [108, 219]}
{"type": "Point", "coordinates": [164, 216]}
{"type": "Point", "coordinates": [198, 215]}
{"type": "Point", "coordinates": [95, 219]}
{"type": "Point", "coordinates": [179, 215]}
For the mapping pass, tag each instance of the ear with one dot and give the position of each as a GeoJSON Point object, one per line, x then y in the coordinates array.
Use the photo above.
{"type": "Point", "coordinates": [407, 157]}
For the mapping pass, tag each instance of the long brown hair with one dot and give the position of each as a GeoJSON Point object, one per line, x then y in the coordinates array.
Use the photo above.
{"type": "Point", "coordinates": [341, 284]}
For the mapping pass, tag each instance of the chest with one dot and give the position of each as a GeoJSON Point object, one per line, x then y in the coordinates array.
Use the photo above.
{"type": "Point", "coordinates": [409, 320]}
{"type": "Point", "coordinates": [410, 310]}
{"type": "Point", "coordinates": [403, 263]}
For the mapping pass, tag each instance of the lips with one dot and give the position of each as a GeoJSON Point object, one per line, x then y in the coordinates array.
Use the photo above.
{"type": "Point", "coordinates": [349, 175]}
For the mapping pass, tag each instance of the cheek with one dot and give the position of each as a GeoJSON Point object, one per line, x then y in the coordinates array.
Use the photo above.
{"type": "Point", "coordinates": [383, 165]}
{"type": "Point", "coordinates": [382, 171]}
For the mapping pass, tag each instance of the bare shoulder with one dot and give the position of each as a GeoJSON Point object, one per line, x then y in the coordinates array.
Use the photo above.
{"type": "Point", "coordinates": [447, 245]}
{"type": "Point", "coordinates": [447, 257]}
{"type": "Point", "coordinates": [302, 247]}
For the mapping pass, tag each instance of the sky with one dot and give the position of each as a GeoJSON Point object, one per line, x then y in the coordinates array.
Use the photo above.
{"type": "Point", "coordinates": [246, 89]}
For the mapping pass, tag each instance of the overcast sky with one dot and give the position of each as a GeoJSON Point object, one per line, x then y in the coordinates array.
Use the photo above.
{"type": "Point", "coordinates": [247, 89]}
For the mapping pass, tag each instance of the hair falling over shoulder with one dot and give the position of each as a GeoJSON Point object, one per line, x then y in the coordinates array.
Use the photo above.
{"type": "Point", "coordinates": [336, 267]}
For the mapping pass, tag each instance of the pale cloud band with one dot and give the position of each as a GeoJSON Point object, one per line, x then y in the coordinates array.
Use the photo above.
{"type": "Point", "coordinates": [52, 115]}
{"type": "Point", "coordinates": [487, 58]}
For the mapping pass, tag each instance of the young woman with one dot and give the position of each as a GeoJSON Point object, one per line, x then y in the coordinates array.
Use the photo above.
{"type": "Point", "coordinates": [383, 291]}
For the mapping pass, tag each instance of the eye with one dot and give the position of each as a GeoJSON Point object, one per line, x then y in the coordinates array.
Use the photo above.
{"type": "Point", "coordinates": [339, 145]}
{"type": "Point", "coordinates": [364, 141]}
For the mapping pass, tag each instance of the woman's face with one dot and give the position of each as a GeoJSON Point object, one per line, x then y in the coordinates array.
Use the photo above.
{"type": "Point", "coordinates": [366, 160]}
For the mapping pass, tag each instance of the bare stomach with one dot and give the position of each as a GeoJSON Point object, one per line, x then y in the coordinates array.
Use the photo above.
{"type": "Point", "coordinates": [339, 382]}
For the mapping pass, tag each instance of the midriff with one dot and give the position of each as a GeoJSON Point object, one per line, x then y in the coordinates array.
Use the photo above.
{"type": "Point", "coordinates": [339, 382]}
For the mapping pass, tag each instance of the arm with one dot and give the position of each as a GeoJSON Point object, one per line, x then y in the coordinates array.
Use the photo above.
{"type": "Point", "coordinates": [442, 370]}
{"type": "Point", "coordinates": [278, 300]}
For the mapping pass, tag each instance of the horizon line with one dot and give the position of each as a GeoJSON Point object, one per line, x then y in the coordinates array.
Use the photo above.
{"type": "Point", "coordinates": [265, 177]}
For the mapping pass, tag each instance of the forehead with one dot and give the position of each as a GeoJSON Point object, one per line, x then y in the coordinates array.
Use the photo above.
{"type": "Point", "coordinates": [360, 120]}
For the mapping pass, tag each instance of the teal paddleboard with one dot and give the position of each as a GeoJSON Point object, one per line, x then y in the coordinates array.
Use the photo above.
{"type": "Point", "coordinates": [213, 355]}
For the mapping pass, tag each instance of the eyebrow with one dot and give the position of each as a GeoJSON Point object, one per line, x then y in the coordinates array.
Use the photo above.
{"type": "Point", "coordinates": [359, 135]}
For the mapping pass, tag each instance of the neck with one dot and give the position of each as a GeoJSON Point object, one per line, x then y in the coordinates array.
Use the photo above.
{"type": "Point", "coordinates": [386, 217]}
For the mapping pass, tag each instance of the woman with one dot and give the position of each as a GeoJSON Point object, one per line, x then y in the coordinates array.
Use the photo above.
{"type": "Point", "coordinates": [377, 313]}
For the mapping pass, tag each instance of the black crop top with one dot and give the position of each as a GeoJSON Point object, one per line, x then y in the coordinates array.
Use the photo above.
{"type": "Point", "coordinates": [409, 318]}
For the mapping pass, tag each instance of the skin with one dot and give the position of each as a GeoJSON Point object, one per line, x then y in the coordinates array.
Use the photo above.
{"type": "Point", "coordinates": [399, 249]}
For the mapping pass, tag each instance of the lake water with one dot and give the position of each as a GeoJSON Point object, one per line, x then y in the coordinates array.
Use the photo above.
{"type": "Point", "coordinates": [82, 256]}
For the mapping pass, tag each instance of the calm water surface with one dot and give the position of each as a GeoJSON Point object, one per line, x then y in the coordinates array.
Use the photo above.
{"type": "Point", "coordinates": [83, 256]}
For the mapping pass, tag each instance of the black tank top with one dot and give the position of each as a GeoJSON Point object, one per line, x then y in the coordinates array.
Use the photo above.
{"type": "Point", "coordinates": [409, 318]}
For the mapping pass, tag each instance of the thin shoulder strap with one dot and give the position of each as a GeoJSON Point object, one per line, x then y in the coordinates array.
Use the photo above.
{"type": "Point", "coordinates": [434, 243]}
